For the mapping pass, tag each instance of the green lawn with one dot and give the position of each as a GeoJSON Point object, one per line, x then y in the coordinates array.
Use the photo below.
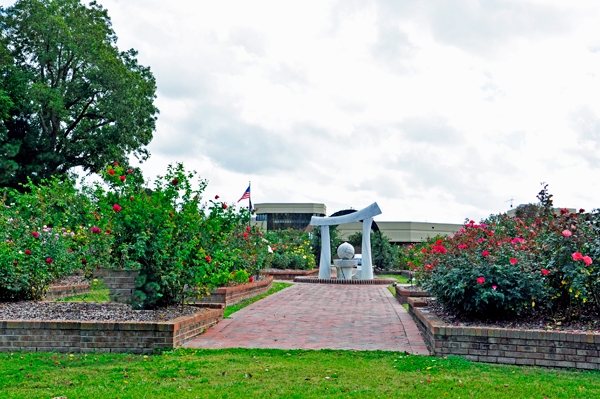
{"type": "Point", "coordinates": [98, 293]}
{"type": "Point", "coordinates": [260, 373]}
{"type": "Point", "coordinates": [234, 308]}
{"type": "Point", "coordinates": [400, 279]}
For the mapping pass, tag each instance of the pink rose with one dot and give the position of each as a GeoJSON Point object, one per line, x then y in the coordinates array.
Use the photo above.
{"type": "Point", "coordinates": [577, 256]}
{"type": "Point", "coordinates": [35, 234]}
{"type": "Point", "coordinates": [95, 230]}
{"type": "Point", "coordinates": [481, 280]}
{"type": "Point", "coordinates": [513, 261]}
{"type": "Point", "coordinates": [587, 260]}
{"type": "Point", "coordinates": [116, 208]}
{"type": "Point", "coordinates": [485, 253]}
{"type": "Point", "coordinates": [544, 272]}
{"type": "Point", "coordinates": [566, 233]}
{"type": "Point", "coordinates": [494, 287]}
{"type": "Point", "coordinates": [49, 261]}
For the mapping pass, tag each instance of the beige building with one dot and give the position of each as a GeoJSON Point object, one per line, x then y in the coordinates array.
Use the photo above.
{"type": "Point", "coordinates": [272, 216]}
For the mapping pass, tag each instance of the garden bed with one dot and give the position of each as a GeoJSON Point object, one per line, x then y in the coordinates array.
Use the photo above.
{"type": "Point", "coordinates": [560, 349]}
{"type": "Point", "coordinates": [102, 336]}
{"type": "Point", "coordinates": [289, 274]}
{"type": "Point", "coordinates": [228, 296]}
{"type": "Point", "coordinates": [405, 291]}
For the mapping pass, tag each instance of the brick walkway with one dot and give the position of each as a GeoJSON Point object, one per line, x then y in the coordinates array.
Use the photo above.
{"type": "Point", "coordinates": [319, 316]}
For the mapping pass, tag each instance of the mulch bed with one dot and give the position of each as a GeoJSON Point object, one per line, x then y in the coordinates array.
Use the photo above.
{"type": "Point", "coordinates": [528, 320]}
{"type": "Point", "coordinates": [86, 311]}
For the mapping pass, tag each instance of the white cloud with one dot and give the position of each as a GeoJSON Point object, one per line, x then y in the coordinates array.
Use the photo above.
{"type": "Point", "coordinates": [438, 110]}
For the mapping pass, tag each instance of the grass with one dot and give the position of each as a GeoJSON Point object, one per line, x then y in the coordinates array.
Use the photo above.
{"type": "Point", "coordinates": [259, 373]}
{"type": "Point", "coordinates": [234, 308]}
{"type": "Point", "coordinates": [400, 279]}
{"type": "Point", "coordinates": [98, 293]}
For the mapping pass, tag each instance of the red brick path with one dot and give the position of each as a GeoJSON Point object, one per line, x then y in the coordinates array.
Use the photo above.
{"type": "Point", "coordinates": [319, 316]}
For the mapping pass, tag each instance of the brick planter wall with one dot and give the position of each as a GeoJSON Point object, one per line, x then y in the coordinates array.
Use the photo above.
{"type": "Point", "coordinates": [232, 295]}
{"type": "Point", "coordinates": [291, 274]}
{"type": "Point", "coordinates": [121, 283]}
{"type": "Point", "coordinates": [90, 336]}
{"type": "Point", "coordinates": [403, 293]}
{"type": "Point", "coordinates": [66, 291]}
{"type": "Point", "coordinates": [499, 345]}
{"type": "Point", "coordinates": [375, 281]}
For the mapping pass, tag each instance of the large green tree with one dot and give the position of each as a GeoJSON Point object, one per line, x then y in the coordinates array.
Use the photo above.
{"type": "Point", "coordinates": [68, 96]}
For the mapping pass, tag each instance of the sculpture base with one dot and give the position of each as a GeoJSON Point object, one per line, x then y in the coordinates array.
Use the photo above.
{"type": "Point", "coordinates": [344, 268]}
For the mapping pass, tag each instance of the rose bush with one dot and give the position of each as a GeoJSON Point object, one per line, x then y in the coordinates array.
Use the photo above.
{"type": "Point", "coordinates": [548, 263]}
{"type": "Point", "coordinates": [182, 247]}
{"type": "Point", "coordinates": [291, 250]}
{"type": "Point", "coordinates": [46, 234]}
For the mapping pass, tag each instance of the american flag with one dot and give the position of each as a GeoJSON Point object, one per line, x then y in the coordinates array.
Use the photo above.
{"type": "Point", "coordinates": [246, 194]}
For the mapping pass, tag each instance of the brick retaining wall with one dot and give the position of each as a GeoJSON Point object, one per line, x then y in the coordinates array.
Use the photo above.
{"type": "Point", "coordinates": [507, 346]}
{"type": "Point", "coordinates": [89, 336]}
{"type": "Point", "coordinates": [66, 291]}
{"type": "Point", "coordinates": [403, 293]}
{"type": "Point", "coordinates": [315, 280]}
{"type": "Point", "coordinates": [291, 274]}
{"type": "Point", "coordinates": [232, 295]}
{"type": "Point", "coordinates": [121, 283]}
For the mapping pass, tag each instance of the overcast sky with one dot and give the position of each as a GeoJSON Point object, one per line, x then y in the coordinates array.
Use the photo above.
{"type": "Point", "coordinates": [437, 110]}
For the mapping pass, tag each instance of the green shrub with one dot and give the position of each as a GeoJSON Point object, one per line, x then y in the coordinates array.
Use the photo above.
{"type": "Point", "coordinates": [291, 250]}
{"type": "Point", "coordinates": [46, 236]}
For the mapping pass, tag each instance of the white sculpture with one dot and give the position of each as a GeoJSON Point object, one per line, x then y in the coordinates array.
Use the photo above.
{"type": "Point", "coordinates": [346, 251]}
{"type": "Point", "coordinates": [366, 216]}
{"type": "Point", "coordinates": [345, 265]}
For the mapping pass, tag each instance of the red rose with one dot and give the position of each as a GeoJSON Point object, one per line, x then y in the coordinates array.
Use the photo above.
{"type": "Point", "coordinates": [251, 279]}
{"type": "Point", "coordinates": [544, 272]}
{"type": "Point", "coordinates": [248, 228]}
{"type": "Point", "coordinates": [485, 253]}
{"type": "Point", "coordinates": [587, 260]}
{"type": "Point", "coordinates": [49, 261]}
{"type": "Point", "coordinates": [27, 252]}
{"type": "Point", "coordinates": [83, 261]}
{"type": "Point", "coordinates": [175, 182]}
{"type": "Point", "coordinates": [577, 256]}
{"type": "Point", "coordinates": [216, 197]}
{"type": "Point", "coordinates": [116, 164]}
{"type": "Point", "coordinates": [131, 198]}
{"type": "Point", "coordinates": [207, 259]}
{"type": "Point", "coordinates": [130, 171]}
{"type": "Point", "coordinates": [224, 206]}
{"type": "Point", "coordinates": [122, 178]}
{"type": "Point", "coordinates": [245, 234]}
{"type": "Point", "coordinates": [513, 261]}
{"type": "Point", "coordinates": [35, 234]}
{"type": "Point", "coordinates": [481, 280]}
{"type": "Point", "coordinates": [95, 230]}
{"type": "Point", "coordinates": [111, 172]}
{"type": "Point", "coordinates": [116, 208]}
{"type": "Point", "coordinates": [233, 273]}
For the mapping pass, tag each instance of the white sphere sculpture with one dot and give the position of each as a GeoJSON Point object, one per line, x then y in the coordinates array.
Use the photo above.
{"type": "Point", "coordinates": [346, 251]}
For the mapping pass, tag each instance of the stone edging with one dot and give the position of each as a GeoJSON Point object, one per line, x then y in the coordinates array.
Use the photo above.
{"type": "Point", "coordinates": [507, 346]}
{"type": "Point", "coordinates": [66, 291]}
{"type": "Point", "coordinates": [403, 294]}
{"type": "Point", "coordinates": [231, 295]}
{"type": "Point", "coordinates": [99, 336]}
{"type": "Point", "coordinates": [375, 281]}
{"type": "Point", "coordinates": [291, 274]}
